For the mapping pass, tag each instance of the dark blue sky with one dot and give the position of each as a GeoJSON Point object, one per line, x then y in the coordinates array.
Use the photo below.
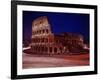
{"type": "Point", "coordinates": [60, 22]}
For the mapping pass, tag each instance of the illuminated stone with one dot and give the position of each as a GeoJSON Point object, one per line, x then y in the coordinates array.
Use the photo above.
{"type": "Point", "coordinates": [44, 41]}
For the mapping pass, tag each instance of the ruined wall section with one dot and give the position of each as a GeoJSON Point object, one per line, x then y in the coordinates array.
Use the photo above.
{"type": "Point", "coordinates": [46, 42]}
{"type": "Point", "coordinates": [41, 26]}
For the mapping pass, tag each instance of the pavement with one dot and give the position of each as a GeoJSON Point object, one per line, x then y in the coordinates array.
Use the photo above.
{"type": "Point", "coordinates": [44, 61]}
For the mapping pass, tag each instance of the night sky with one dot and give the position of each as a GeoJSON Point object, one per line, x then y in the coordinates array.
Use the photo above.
{"type": "Point", "coordinates": [60, 22]}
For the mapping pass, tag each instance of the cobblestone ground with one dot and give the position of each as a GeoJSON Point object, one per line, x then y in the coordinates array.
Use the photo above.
{"type": "Point", "coordinates": [43, 61]}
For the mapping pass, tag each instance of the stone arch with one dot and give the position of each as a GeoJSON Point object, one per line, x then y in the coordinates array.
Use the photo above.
{"type": "Point", "coordinates": [47, 31]}
{"type": "Point", "coordinates": [50, 49]}
{"type": "Point", "coordinates": [55, 50]}
{"type": "Point", "coordinates": [46, 49]}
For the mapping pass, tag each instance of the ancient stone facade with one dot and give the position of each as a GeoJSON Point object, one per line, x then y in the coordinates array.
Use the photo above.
{"type": "Point", "coordinates": [44, 41]}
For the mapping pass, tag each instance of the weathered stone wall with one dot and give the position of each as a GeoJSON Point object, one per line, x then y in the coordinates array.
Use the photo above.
{"type": "Point", "coordinates": [45, 42]}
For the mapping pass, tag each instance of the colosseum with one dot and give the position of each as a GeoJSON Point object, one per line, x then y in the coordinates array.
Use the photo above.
{"type": "Point", "coordinates": [44, 41]}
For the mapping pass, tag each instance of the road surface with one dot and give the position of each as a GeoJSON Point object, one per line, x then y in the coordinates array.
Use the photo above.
{"type": "Point", "coordinates": [44, 61]}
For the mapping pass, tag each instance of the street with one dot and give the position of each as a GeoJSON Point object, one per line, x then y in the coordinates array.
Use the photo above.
{"type": "Point", "coordinates": [44, 61]}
